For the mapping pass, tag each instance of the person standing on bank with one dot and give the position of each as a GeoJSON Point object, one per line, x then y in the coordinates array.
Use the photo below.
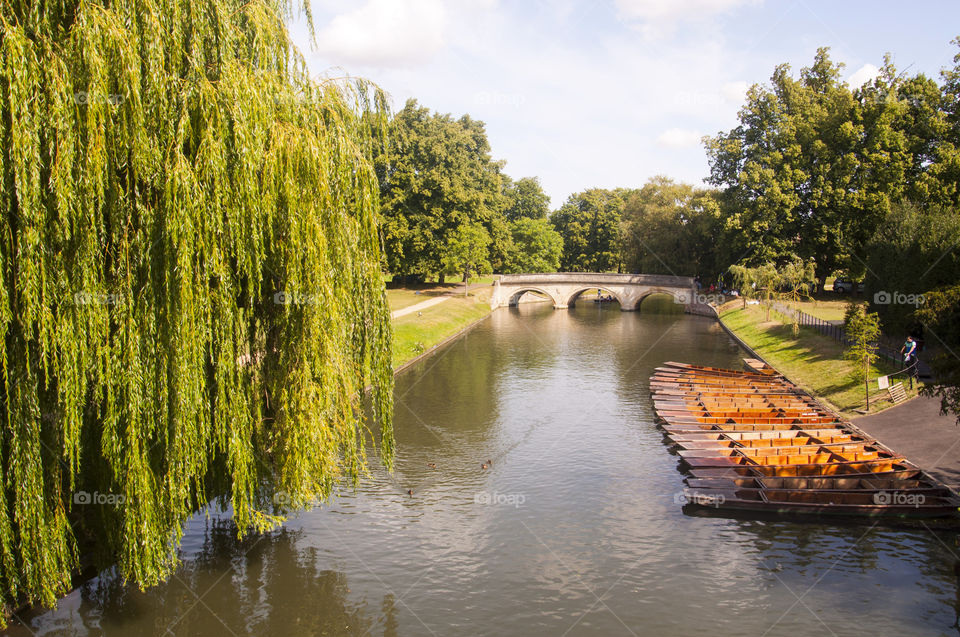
{"type": "Point", "coordinates": [909, 351]}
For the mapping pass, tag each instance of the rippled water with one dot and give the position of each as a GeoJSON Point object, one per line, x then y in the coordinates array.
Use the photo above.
{"type": "Point", "coordinates": [575, 528]}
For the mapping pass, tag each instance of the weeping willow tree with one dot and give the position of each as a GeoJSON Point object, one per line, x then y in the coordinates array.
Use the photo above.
{"type": "Point", "coordinates": [191, 298]}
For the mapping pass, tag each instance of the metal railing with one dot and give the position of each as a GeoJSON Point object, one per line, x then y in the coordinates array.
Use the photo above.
{"type": "Point", "coordinates": [836, 331]}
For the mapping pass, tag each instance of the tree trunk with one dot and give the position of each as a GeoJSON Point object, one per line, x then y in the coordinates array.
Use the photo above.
{"type": "Point", "coordinates": [442, 278]}
{"type": "Point", "coordinates": [866, 382]}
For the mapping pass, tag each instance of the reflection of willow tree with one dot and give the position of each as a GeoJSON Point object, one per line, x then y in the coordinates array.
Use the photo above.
{"type": "Point", "coordinates": [191, 301]}
{"type": "Point", "coordinates": [258, 586]}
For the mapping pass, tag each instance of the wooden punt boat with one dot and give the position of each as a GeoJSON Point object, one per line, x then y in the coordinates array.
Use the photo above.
{"type": "Point", "coordinates": [738, 402]}
{"type": "Point", "coordinates": [874, 482]}
{"type": "Point", "coordinates": [880, 504]}
{"type": "Point", "coordinates": [695, 427]}
{"type": "Point", "coordinates": [751, 440]}
{"type": "Point", "coordinates": [786, 451]}
{"type": "Point", "coordinates": [759, 366]}
{"type": "Point", "coordinates": [728, 377]}
{"type": "Point", "coordinates": [866, 467]}
{"type": "Point", "coordinates": [769, 443]}
{"type": "Point", "coordinates": [721, 420]}
{"type": "Point", "coordinates": [700, 392]}
{"type": "Point", "coordinates": [734, 405]}
{"type": "Point", "coordinates": [876, 496]}
{"type": "Point", "coordinates": [746, 413]}
{"type": "Point", "coordinates": [813, 457]}
{"type": "Point", "coordinates": [742, 436]}
{"type": "Point", "coordinates": [741, 408]}
{"type": "Point", "coordinates": [715, 383]}
{"type": "Point", "coordinates": [689, 368]}
{"type": "Point", "coordinates": [703, 368]}
{"type": "Point", "coordinates": [675, 384]}
{"type": "Point", "coordinates": [673, 392]}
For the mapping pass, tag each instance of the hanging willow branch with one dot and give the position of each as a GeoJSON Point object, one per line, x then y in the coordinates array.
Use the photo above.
{"type": "Point", "coordinates": [191, 297]}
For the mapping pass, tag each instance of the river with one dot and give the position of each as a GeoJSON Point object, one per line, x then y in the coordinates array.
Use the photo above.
{"type": "Point", "coordinates": [575, 528]}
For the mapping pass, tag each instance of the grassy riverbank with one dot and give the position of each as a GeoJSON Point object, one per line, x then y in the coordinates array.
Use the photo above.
{"type": "Point", "coordinates": [417, 332]}
{"type": "Point", "coordinates": [812, 361]}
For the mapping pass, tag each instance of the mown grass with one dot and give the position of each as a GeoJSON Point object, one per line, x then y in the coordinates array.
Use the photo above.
{"type": "Point", "coordinates": [414, 334]}
{"type": "Point", "coordinates": [825, 310]}
{"type": "Point", "coordinates": [404, 297]}
{"type": "Point", "coordinates": [399, 298]}
{"type": "Point", "coordinates": [814, 362]}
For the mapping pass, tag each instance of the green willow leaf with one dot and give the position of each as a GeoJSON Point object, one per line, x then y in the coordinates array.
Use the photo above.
{"type": "Point", "coordinates": [191, 293]}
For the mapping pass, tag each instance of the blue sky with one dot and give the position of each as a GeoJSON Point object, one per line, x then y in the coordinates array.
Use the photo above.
{"type": "Point", "coordinates": [608, 93]}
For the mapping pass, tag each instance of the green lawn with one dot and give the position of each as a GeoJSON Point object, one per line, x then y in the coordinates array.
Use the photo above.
{"type": "Point", "coordinates": [413, 334]}
{"type": "Point", "coordinates": [826, 310]}
{"type": "Point", "coordinates": [404, 297]}
{"type": "Point", "coordinates": [812, 361]}
{"type": "Point", "coordinates": [399, 298]}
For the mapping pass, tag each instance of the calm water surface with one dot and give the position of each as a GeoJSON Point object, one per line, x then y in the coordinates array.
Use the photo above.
{"type": "Point", "coordinates": [575, 529]}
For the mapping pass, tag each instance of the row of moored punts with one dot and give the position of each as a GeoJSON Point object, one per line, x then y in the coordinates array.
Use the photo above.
{"type": "Point", "coordinates": [751, 440]}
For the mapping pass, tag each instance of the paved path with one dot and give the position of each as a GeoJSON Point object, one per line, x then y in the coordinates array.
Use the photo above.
{"type": "Point", "coordinates": [422, 305]}
{"type": "Point", "coordinates": [918, 431]}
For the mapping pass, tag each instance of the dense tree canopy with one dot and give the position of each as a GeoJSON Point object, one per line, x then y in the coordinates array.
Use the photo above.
{"type": "Point", "coordinates": [926, 240]}
{"type": "Point", "coordinates": [814, 167]}
{"type": "Point", "coordinates": [191, 295]}
{"type": "Point", "coordinates": [589, 223]}
{"type": "Point", "coordinates": [525, 199]}
{"type": "Point", "coordinates": [467, 252]}
{"type": "Point", "coordinates": [535, 246]}
{"type": "Point", "coordinates": [435, 175]}
{"type": "Point", "coordinates": [671, 228]}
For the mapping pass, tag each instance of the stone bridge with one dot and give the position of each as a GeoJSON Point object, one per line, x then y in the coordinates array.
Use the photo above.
{"type": "Point", "coordinates": [563, 288]}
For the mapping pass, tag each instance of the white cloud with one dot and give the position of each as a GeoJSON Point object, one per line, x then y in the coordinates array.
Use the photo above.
{"type": "Point", "coordinates": [676, 10]}
{"type": "Point", "coordinates": [385, 33]}
{"type": "Point", "coordinates": [864, 74]}
{"type": "Point", "coordinates": [679, 138]}
{"type": "Point", "coordinates": [735, 91]}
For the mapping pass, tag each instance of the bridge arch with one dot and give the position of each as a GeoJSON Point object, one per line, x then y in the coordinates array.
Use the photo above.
{"type": "Point", "coordinates": [514, 299]}
{"type": "Point", "coordinates": [572, 299]}
{"type": "Point", "coordinates": [680, 297]}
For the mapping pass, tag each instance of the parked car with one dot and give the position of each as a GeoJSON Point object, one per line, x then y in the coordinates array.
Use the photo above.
{"type": "Point", "coordinates": [846, 286]}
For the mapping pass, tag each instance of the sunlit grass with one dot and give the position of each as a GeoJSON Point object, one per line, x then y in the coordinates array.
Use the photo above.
{"type": "Point", "coordinates": [824, 310]}
{"type": "Point", "coordinates": [401, 298]}
{"type": "Point", "coordinates": [415, 333]}
{"type": "Point", "coordinates": [811, 360]}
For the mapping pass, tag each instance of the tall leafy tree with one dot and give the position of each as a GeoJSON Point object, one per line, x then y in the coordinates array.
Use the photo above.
{"type": "Point", "coordinates": [813, 168]}
{"type": "Point", "coordinates": [924, 238]}
{"type": "Point", "coordinates": [944, 171]}
{"type": "Point", "coordinates": [863, 330]}
{"type": "Point", "coordinates": [467, 252]}
{"type": "Point", "coordinates": [670, 228]}
{"type": "Point", "coordinates": [940, 314]}
{"type": "Point", "coordinates": [536, 246]}
{"type": "Point", "coordinates": [191, 299]}
{"type": "Point", "coordinates": [525, 199]}
{"type": "Point", "coordinates": [435, 175]}
{"type": "Point", "coordinates": [589, 223]}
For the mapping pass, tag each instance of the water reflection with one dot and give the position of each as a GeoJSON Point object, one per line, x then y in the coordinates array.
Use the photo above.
{"type": "Point", "coordinates": [265, 585]}
{"type": "Point", "coordinates": [574, 525]}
